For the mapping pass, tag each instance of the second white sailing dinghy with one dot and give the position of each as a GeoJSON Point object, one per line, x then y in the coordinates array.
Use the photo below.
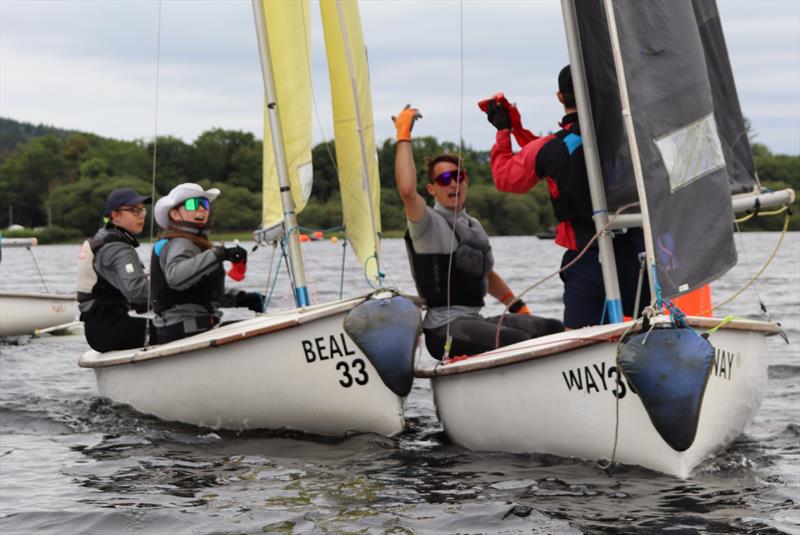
{"type": "Point", "coordinates": [328, 369]}
{"type": "Point", "coordinates": [662, 391]}
{"type": "Point", "coordinates": [24, 313]}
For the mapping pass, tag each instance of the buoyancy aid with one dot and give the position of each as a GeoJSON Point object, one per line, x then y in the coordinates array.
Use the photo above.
{"type": "Point", "coordinates": [205, 293]}
{"type": "Point", "coordinates": [91, 284]}
{"type": "Point", "coordinates": [472, 262]}
{"type": "Point", "coordinates": [570, 198]}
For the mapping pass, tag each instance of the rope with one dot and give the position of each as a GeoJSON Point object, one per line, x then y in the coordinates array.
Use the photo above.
{"type": "Point", "coordinates": [751, 215]}
{"type": "Point", "coordinates": [567, 266]}
{"type": "Point", "coordinates": [448, 337]}
{"type": "Point", "coordinates": [153, 176]}
{"type": "Point", "coordinates": [760, 271]}
{"type": "Point", "coordinates": [35, 263]}
{"type": "Point", "coordinates": [275, 278]}
{"type": "Point", "coordinates": [341, 274]}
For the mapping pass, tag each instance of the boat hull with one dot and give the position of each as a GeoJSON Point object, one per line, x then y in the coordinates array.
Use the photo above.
{"type": "Point", "coordinates": [296, 371]}
{"type": "Point", "coordinates": [567, 402]}
{"type": "Point", "coordinates": [24, 313]}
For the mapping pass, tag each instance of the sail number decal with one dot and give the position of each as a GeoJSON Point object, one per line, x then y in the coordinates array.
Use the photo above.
{"type": "Point", "coordinates": [335, 346]}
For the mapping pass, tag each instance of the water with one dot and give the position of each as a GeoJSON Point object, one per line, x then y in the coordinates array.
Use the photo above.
{"type": "Point", "coordinates": [73, 463]}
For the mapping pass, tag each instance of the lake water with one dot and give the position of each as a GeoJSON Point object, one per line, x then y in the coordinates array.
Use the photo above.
{"type": "Point", "coordinates": [71, 462]}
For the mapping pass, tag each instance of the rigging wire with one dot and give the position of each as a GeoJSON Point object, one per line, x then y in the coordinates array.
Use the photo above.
{"type": "Point", "coordinates": [448, 338]}
{"type": "Point", "coordinates": [35, 263]}
{"type": "Point", "coordinates": [153, 177]}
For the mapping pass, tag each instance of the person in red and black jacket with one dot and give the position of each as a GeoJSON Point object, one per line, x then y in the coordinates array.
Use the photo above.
{"type": "Point", "coordinates": [558, 158]}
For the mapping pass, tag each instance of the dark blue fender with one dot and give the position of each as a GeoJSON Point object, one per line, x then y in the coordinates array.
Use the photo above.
{"type": "Point", "coordinates": [669, 369]}
{"type": "Point", "coordinates": [387, 330]}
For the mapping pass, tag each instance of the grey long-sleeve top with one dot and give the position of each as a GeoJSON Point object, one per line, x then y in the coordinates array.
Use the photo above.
{"type": "Point", "coordinates": [184, 264]}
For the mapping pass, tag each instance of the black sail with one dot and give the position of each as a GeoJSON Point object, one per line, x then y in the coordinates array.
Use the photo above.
{"type": "Point", "coordinates": [688, 125]}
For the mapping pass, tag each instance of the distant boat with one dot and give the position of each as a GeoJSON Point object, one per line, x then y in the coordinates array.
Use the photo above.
{"type": "Point", "coordinates": [661, 391]}
{"type": "Point", "coordinates": [548, 234]}
{"type": "Point", "coordinates": [330, 369]}
{"type": "Point", "coordinates": [24, 313]}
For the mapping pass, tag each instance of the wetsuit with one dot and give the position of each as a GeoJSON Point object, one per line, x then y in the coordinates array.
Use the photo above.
{"type": "Point", "coordinates": [559, 159]}
{"type": "Point", "coordinates": [429, 243]}
{"type": "Point", "coordinates": [111, 281]}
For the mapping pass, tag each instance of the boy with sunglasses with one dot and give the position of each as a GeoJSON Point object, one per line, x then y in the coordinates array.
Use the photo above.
{"type": "Point", "coordinates": [451, 259]}
{"type": "Point", "coordinates": [111, 278]}
{"type": "Point", "coordinates": [188, 278]}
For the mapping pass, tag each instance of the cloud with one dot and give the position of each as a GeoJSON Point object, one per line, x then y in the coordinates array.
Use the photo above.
{"type": "Point", "coordinates": [90, 65]}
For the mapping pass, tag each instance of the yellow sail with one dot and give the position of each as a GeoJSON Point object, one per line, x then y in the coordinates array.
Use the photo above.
{"type": "Point", "coordinates": [287, 23]}
{"type": "Point", "coordinates": [354, 132]}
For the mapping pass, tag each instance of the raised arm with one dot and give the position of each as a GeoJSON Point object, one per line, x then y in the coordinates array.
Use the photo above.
{"type": "Point", "coordinates": [405, 171]}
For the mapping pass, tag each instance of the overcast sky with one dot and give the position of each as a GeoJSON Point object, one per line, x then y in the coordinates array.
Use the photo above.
{"type": "Point", "coordinates": [90, 65]}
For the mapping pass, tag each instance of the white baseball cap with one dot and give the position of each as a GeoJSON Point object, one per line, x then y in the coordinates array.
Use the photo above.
{"type": "Point", "coordinates": [176, 196]}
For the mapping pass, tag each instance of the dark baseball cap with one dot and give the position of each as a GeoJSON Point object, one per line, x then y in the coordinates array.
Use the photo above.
{"type": "Point", "coordinates": [565, 80]}
{"type": "Point", "coordinates": [124, 197]}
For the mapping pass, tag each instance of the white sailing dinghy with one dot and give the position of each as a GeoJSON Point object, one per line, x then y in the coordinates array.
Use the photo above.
{"type": "Point", "coordinates": [651, 392]}
{"type": "Point", "coordinates": [28, 312]}
{"type": "Point", "coordinates": [328, 369]}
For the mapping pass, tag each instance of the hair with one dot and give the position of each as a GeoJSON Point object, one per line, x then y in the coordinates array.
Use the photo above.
{"type": "Point", "coordinates": [565, 87]}
{"type": "Point", "coordinates": [431, 162]}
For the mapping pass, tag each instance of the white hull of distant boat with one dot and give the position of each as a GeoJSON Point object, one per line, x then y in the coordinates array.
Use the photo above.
{"type": "Point", "coordinates": [559, 395]}
{"type": "Point", "coordinates": [25, 313]}
{"type": "Point", "coordinates": [296, 370]}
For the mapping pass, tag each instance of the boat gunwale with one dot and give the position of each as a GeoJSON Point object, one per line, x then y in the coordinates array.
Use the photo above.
{"type": "Point", "coordinates": [40, 295]}
{"type": "Point", "coordinates": [295, 318]}
{"type": "Point", "coordinates": [516, 353]}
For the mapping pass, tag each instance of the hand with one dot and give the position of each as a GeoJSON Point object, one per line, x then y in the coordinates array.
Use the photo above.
{"type": "Point", "coordinates": [498, 116]}
{"type": "Point", "coordinates": [404, 122]}
{"type": "Point", "coordinates": [237, 253]}
{"type": "Point", "coordinates": [523, 309]}
{"type": "Point", "coordinates": [254, 301]}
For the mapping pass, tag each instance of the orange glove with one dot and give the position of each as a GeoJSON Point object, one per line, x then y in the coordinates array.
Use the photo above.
{"type": "Point", "coordinates": [404, 122]}
{"type": "Point", "coordinates": [518, 306]}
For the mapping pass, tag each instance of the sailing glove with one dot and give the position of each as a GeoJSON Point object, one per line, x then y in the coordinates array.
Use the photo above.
{"type": "Point", "coordinates": [404, 122]}
{"type": "Point", "coordinates": [237, 253]}
{"type": "Point", "coordinates": [254, 301]}
{"type": "Point", "coordinates": [498, 116]}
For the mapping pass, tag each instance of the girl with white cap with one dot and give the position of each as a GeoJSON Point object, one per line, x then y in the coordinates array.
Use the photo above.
{"type": "Point", "coordinates": [187, 275]}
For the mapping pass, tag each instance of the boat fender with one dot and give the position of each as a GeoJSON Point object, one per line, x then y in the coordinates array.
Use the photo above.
{"type": "Point", "coordinates": [669, 368]}
{"type": "Point", "coordinates": [387, 331]}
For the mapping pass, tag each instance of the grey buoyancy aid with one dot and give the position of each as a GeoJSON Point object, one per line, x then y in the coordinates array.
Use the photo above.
{"type": "Point", "coordinates": [472, 262]}
{"type": "Point", "coordinates": [93, 286]}
{"type": "Point", "coordinates": [205, 293]}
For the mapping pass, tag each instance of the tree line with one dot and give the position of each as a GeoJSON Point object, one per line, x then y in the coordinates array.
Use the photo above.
{"type": "Point", "coordinates": [59, 178]}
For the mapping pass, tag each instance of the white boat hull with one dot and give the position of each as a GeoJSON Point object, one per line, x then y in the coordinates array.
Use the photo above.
{"type": "Point", "coordinates": [565, 401]}
{"type": "Point", "coordinates": [24, 313]}
{"type": "Point", "coordinates": [297, 370]}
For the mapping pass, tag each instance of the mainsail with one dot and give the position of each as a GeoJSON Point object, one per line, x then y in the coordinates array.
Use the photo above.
{"type": "Point", "coordinates": [286, 22]}
{"type": "Point", "coordinates": [690, 134]}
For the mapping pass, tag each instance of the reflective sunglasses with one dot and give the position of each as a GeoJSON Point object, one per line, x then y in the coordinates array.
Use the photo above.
{"type": "Point", "coordinates": [445, 178]}
{"type": "Point", "coordinates": [195, 203]}
{"type": "Point", "coordinates": [135, 210]}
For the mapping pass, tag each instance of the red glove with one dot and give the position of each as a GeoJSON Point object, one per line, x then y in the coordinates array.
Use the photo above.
{"type": "Point", "coordinates": [238, 270]}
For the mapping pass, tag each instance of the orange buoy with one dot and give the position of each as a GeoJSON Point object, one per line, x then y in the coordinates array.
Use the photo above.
{"type": "Point", "coordinates": [334, 239]}
{"type": "Point", "coordinates": [317, 235]}
{"type": "Point", "coordinates": [304, 237]}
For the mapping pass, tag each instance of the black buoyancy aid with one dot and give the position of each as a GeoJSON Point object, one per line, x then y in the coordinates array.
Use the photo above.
{"type": "Point", "coordinates": [205, 293]}
{"type": "Point", "coordinates": [574, 203]}
{"type": "Point", "coordinates": [468, 284]}
{"type": "Point", "coordinates": [103, 292]}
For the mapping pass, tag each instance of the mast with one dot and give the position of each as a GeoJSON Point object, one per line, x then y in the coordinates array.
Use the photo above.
{"type": "Point", "coordinates": [289, 215]}
{"type": "Point", "coordinates": [634, 146]}
{"type": "Point", "coordinates": [595, 177]}
{"type": "Point", "coordinates": [365, 183]}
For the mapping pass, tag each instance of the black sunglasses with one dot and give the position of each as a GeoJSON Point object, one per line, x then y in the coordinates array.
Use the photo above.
{"type": "Point", "coordinates": [445, 178]}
